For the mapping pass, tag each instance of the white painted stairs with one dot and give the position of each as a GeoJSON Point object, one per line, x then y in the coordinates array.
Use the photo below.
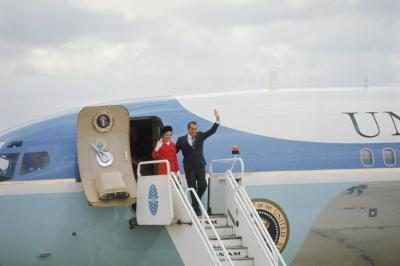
{"type": "Point", "coordinates": [232, 242]}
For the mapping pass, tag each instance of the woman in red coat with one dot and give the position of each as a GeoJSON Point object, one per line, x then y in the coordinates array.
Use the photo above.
{"type": "Point", "coordinates": [165, 150]}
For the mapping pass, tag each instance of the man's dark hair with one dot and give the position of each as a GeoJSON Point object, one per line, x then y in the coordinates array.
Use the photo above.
{"type": "Point", "coordinates": [191, 123]}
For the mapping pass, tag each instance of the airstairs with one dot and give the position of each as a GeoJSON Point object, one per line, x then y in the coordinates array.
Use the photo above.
{"type": "Point", "coordinates": [233, 234]}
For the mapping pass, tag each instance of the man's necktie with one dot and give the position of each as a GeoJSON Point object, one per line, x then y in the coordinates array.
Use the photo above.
{"type": "Point", "coordinates": [193, 141]}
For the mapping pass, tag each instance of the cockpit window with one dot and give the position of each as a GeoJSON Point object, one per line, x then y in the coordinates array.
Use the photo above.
{"type": "Point", "coordinates": [15, 144]}
{"type": "Point", "coordinates": [34, 161]}
{"type": "Point", "coordinates": [8, 162]}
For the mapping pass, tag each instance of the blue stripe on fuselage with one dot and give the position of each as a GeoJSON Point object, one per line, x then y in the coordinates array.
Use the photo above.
{"type": "Point", "coordinates": [260, 153]}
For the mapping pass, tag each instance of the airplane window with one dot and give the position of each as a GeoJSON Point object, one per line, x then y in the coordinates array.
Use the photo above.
{"type": "Point", "coordinates": [389, 156]}
{"type": "Point", "coordinates": [7, 165]}
{"type": "Point", "coordinates": [367, 157]}
{"type": "Point", "coordinates": [34, 161]}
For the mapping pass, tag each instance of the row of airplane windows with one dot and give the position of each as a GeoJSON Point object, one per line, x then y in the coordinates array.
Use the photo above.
{"type": "Point", "coordinates": [38, 160]}
{"type": "Point", "coordinates": [368, 160]}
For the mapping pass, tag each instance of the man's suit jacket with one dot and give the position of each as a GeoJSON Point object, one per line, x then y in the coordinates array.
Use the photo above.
{"type": "Point", "coordinates": [193, 156]}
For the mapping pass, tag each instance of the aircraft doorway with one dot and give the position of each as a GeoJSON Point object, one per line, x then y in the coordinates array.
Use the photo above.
{"type": "Point", "coordinates": [144, 134]}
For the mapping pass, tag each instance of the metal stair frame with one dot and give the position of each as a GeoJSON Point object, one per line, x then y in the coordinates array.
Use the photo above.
{"type": "Point", "coordinates": [186, 216]}
{"type": "Point", "coordinates": [201, 225]}
{"type": "Point", "coordinates": [239, 206]}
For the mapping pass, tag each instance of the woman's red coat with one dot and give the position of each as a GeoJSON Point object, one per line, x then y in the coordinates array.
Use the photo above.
{"type": "Point", "coordinates": [166, 152]}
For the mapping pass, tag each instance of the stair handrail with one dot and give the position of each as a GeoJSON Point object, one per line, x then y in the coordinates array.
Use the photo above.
{"type": "Point", "coordinates": [259, 222]}
{"type": "Point", "coordinates": [247, 215]}
{"type": "Point", "coordinates": [206, 217]}
{"type": "Point", "coordinates": [189, 210]}
{"type": "Point", "coordinates": [252, 215]}
{"type": "Point", "coordinates": [244, 201]}
{"type": "Point", "coordinates": [198, 227]}
{"type": "Point", "coordinates": [155, 162]}
{"type": "Point", "coordinates": [195, 220]}
{"type": "Point", "coordinates": [233, 160]}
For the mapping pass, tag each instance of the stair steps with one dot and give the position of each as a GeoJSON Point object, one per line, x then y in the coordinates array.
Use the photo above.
{"type": "Point", "coordinates": [234, 252]}
{"type": "Point", "coordinates": [242, 261]}
{"type": "Point", "coordinates": [232, 243]}
{"type": "Point", "coordinates": [221, 230]}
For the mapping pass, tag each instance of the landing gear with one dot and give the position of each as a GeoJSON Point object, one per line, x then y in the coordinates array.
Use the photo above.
{"type": "Point", "coordinates": [133, 223]}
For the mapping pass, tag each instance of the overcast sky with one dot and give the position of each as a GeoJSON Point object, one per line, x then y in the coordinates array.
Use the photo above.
{"type": "Point", "coordinates": [56, 55]}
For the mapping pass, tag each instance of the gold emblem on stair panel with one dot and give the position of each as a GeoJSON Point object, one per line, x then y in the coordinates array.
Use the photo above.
{"type": "Point", "coordinates": [103, 121]}
{"type": "Point", "coordinates": [275, 221]}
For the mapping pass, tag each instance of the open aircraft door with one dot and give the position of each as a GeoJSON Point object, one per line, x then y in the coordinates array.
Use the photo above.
{"type": "Point", "coordinates": [104, 156]}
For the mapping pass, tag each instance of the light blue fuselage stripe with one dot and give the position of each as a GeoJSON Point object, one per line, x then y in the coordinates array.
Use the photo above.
{"type": "Point", "coordinates": [73, 233]}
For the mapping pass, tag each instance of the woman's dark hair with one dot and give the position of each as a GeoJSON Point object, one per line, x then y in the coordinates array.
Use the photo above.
{"type": "Point", "coordinates": [165, 130]}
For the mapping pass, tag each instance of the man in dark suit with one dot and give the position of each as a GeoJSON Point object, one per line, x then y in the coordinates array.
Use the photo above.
{"type": "Point", "coordinates": [194, 163]}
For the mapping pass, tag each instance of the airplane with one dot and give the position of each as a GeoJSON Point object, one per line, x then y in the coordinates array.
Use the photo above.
{"type": "Point", "coordinates": [321, 168]}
